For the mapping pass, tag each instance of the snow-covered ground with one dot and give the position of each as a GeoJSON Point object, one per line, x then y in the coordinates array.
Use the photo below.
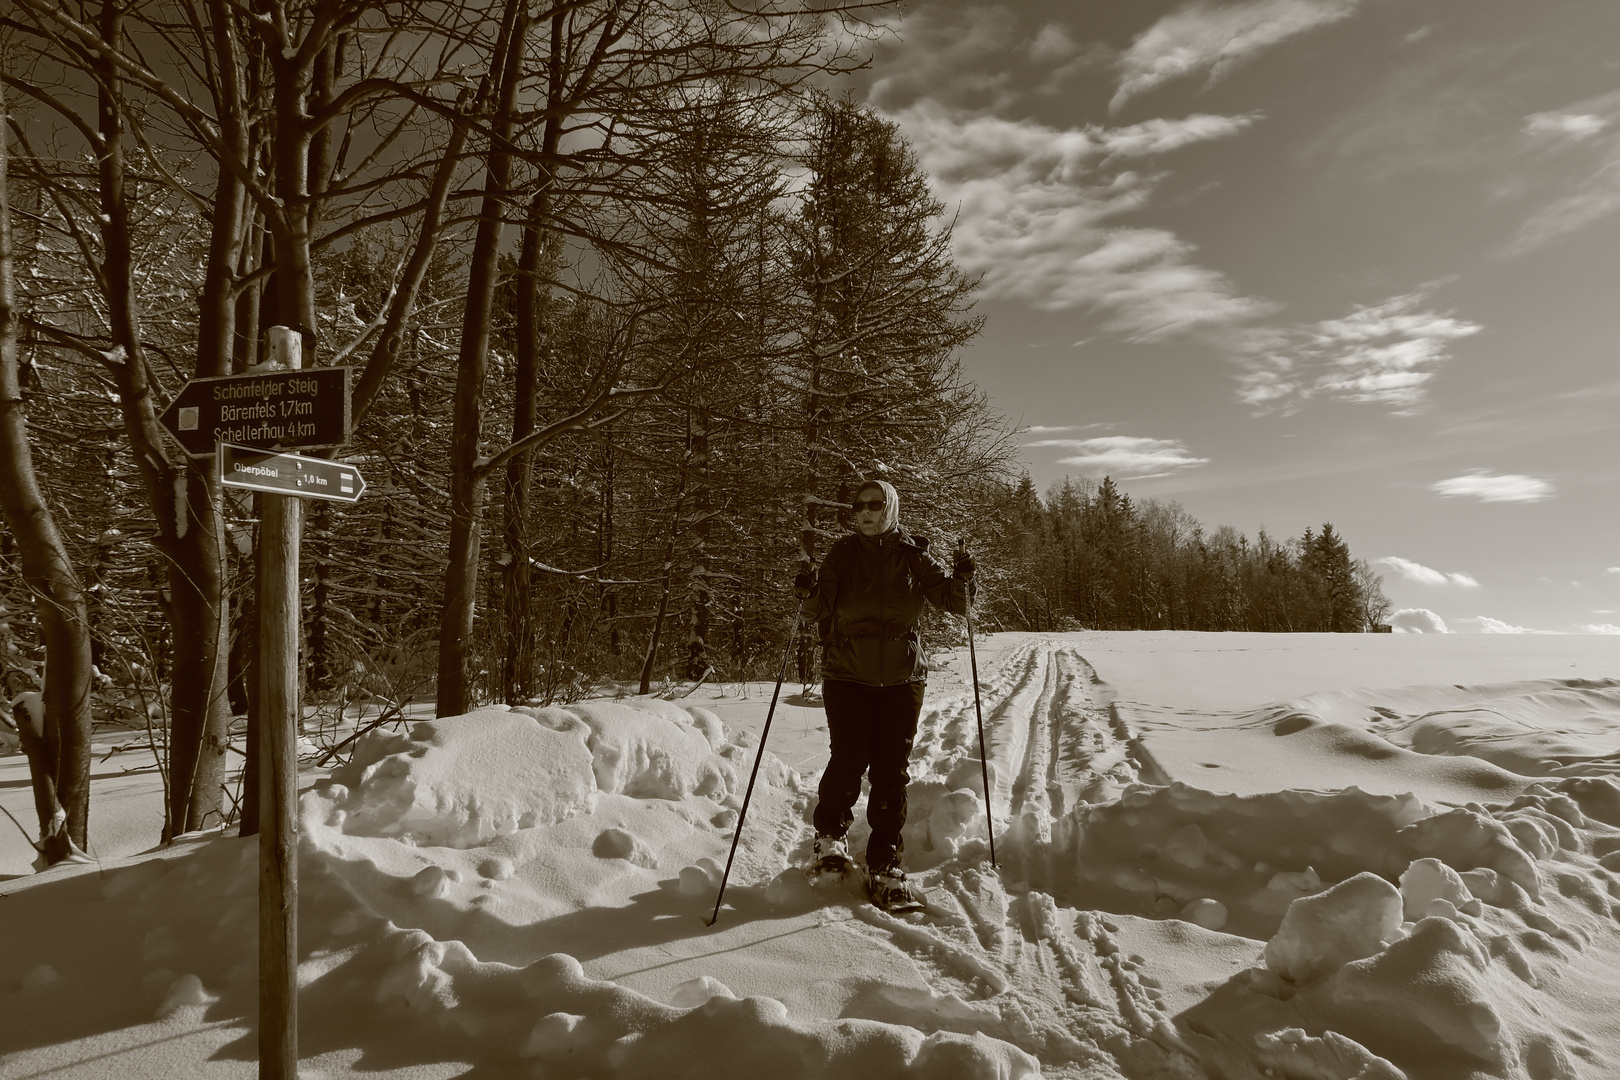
{"type": "Point", "coordinates": [1226, 856]}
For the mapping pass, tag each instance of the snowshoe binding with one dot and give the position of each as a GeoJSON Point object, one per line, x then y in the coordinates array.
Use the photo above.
{"type": "Point", "coordinates": [829, 858]}
{"type": "Point", "coordinates": [891, 892]}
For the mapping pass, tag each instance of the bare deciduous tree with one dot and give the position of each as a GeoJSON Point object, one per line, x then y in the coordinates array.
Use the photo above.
{"type": "Point", "coordinates": [54, 724]}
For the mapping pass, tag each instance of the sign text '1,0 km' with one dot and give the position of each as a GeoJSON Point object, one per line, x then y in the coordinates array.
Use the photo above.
{"type": "Point", "coordinates": [289, 474]}
{"type": "Point", "coordinates": [272, 410]}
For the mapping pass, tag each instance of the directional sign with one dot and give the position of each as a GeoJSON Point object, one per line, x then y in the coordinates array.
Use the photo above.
{"type": "Point", "coordinates": [273, 410]}
{"type": "Point", "coordinates": [289, 474]}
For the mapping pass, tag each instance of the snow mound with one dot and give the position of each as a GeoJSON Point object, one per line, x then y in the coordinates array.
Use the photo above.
{"type": "Point", "coordinates": [554, 1014]}
{"type": "Point", "coordinates": [1160, 849]}
{"type": "Point", "coordinates": [1435, 1004]}
{"type": "Point", "coordinates": [461, 781]}
{"type": "Point", "coordinates": [1322, 933]}
{"type": "Point", "coordinates": [969, 773]}
{"type": "Point", "coordinates": [622, 844]}
{"type": "Point", "coordinates": [185, 990]}
{"type": "Point", "coordinates": [701, 879]}
{"type": "Point", "coordinates": [655, 750]}
{"type": "Point", "coordinates": [1427, 881]}
{"type": "Point", "coordinates": [1292, 1052]}
{"type": "Point", "coordinates": [939, 821]}
{"type": "Point", "coordinates": [694, 992]}
{"type": "Point", "coordinates": [1542, 727]}
{"type": "Point", "coordinates": [708, 723]}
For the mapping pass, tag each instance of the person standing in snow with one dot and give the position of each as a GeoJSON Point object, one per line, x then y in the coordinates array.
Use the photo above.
{"type": "Point", "coordinates": [868, 597]}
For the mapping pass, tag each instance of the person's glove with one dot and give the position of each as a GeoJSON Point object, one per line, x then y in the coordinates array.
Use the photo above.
{"type": "Point", "coordinates": [964, 566]}
{"type": "Point", "coordinates": [804, 584]}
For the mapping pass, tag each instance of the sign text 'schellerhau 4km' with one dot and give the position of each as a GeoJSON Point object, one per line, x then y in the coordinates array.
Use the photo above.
{"type": "Point", "coordinates": [273, 410]}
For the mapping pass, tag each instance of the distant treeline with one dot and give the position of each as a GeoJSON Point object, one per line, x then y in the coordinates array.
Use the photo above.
{"type": "Point", "coordinates": [1087, 556]}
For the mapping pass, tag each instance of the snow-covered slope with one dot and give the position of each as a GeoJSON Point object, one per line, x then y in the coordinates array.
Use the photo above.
{"type": "Point", "coordinates": [1417, 882]}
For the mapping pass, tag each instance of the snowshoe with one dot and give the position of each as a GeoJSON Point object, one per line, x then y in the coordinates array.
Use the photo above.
{"type": "Point", "coordinates": [891, 892]}
{"type": "Point", "coordinates": [829, 858]}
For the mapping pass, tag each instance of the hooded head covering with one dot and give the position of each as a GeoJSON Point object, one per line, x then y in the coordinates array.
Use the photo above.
{"type": "Point", "coordinates": [891, 503]}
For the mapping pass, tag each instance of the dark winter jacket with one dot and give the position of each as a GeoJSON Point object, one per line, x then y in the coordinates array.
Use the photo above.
{"type": "Point", "coordinates": [868, 599]}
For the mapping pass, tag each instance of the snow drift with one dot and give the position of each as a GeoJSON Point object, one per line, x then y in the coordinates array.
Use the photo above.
{"type": "Point", "coordinates": [525, 891]}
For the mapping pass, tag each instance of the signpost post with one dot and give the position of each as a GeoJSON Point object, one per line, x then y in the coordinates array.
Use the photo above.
{"type": "Point", "coordinates": [243, 421]}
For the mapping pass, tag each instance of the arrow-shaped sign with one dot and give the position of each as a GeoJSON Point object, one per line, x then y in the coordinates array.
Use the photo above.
{"type": "Point", "coordinates": [289, 474]}
{"type": "Point", "coordinates": [273, 409]}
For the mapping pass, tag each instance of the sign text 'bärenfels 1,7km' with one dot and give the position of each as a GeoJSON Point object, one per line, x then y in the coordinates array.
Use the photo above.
{"type": "Point", "coordinates": [274, 410]}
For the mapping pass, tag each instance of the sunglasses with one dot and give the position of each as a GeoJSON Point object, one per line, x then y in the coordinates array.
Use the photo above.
{"type": "Point", "coordinates": [868, 504]}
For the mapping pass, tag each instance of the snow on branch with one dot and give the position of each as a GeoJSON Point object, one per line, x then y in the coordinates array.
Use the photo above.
{"type": "Point", "coordinates": [586, 574]}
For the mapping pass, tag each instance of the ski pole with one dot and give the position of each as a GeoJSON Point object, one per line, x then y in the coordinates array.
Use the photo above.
{"type": "Point", "coordinates": [758, 757]}
{"type": "Point", "coordinates": [978, 713]}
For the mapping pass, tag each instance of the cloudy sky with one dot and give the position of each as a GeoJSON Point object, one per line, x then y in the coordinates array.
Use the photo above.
{"type": "Point", "coordinates": [1295, 261]}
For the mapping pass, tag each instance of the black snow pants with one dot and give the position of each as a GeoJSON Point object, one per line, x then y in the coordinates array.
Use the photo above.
{"type": "Point", "coordinates": [872, 728]}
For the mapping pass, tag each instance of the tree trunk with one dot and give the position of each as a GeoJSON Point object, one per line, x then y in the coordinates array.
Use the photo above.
{"type": "Point", "coordinates": [663, 596]}
{"type": "Point", "coordinates": [815, 429]}
{"type": "Point", "coordinates": [608, 596]}
{"type": "Point", "coordinates": [185, 500]}
{"type": "Point", "coordinates": [657, 627]}
{"type": "Point", "coordinates": [467, 480]}
{"type": "Point", "coordinates": [57, 738]}
{"type": "Point", "coordinates": [517, 665]}
{"type": "Point", "coordinates": [697, 640]}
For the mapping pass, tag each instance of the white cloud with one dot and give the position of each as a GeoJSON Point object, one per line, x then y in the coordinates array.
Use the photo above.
{"type": "Point", "coordinates": [1424, 575]}
{"type": "Point", "coordinates": [1417, 621]}
{"type": "Point", "coordinates": [1382, 354]}
{"type": "Point", "coordinates": [1613, 570]}
{"type": "Point", "coordinates": [1510, 487]}
{"type": "Point", "coordinates": [1579, 149]}
{"type": "Point", "coordinates": [1488, 625]}
{"type": "Point", "coordinates": [1205, 39]}
{"type": "Point", "coordinates": [1573, 126]}
{"type": "Point", "coordinates": [1599, 628]}
{"type": "Point", "coordinates": [1125, 455]}
{"type": "Point", "coordinates": [1034, 215]}
{"type": "Point", "coordinates": [1598, 198]}
{"type": "Point", "coordinates": [1052, 43]}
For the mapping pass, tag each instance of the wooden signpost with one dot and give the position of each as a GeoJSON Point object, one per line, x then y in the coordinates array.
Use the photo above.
{"type": "Point", "coordinates": [242, 421]}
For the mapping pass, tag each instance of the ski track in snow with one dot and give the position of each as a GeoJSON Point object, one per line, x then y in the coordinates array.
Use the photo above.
{"type": "Point", "coordinates": [1016, 954]}
{"type": "Point", "coordinates": [1053, 982]}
